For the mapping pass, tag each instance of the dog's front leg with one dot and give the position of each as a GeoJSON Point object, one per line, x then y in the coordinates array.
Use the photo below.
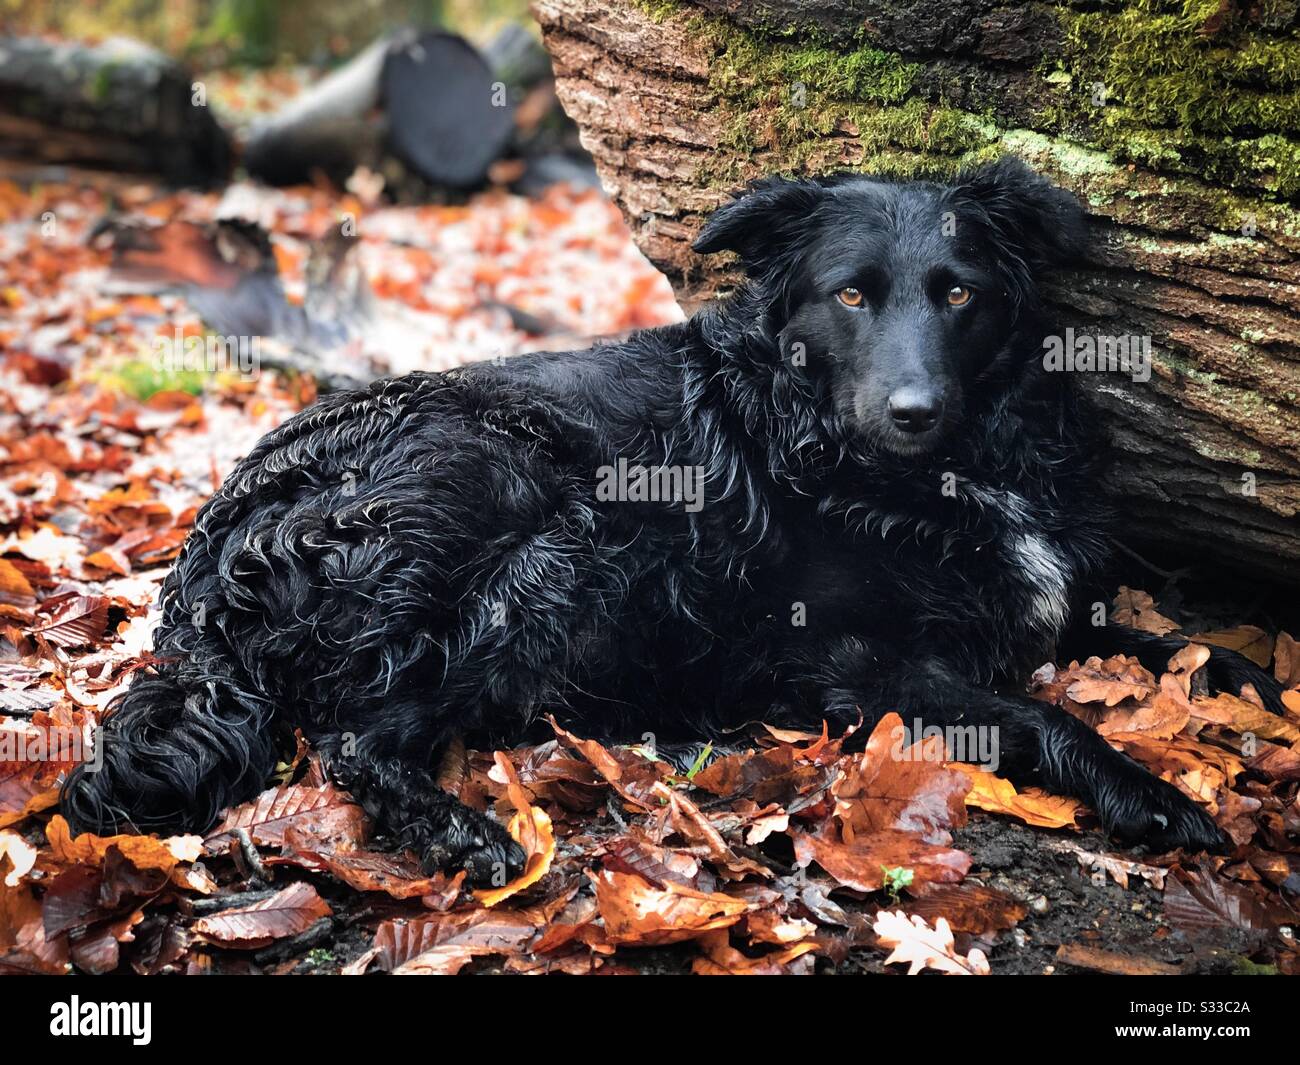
{"type": "Point", "coordinates": [1226, 671]}
{"type": "Point", "coordinates": [403, 796]}
{"type": "Point", "coordinates": [1030, 742]}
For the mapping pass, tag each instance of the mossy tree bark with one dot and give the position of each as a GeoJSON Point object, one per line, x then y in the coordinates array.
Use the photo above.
{"type": "Point", "coordinates": [1176, 123]}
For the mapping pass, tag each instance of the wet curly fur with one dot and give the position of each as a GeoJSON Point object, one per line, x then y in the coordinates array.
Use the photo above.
{"type": "Point", "coordinates": [431, 557]}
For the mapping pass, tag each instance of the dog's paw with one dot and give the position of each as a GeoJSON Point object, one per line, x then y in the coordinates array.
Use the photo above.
{"type": "Point", "coordinates": [1142, 809]}
{"type": "Point", "coordinates": [476, 843]}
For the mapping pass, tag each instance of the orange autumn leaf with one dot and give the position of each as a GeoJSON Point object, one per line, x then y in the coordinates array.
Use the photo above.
{"type": "Point", "coordinates": [144, 852]}
{"type": "Point", "coordinates": [1138, 610]}
{"type": "Point", "coordinates": [1032, 806]}
{"type": "Point", "coordinates": [1110, 681]}
{"type": "Point", "coordinates": [1248, 640]}
{"type": "Point", "coordinates": [890, 786]}
{"type": "Point", "coordinates": [1286, 660]}
{"type": "Point", "coordinates": [1247, 717]}
{"type": "Point", "coordinates": [861, 863]}
{"type": "Point", "coordinates": [637, 913]}
{"type": "Point", "coordinates": [14, 587]}
{"type": "Point", "coordinates": [286, 913]}
{"type": "Point", "coordinates": [531, 829]}
{"type": "Point", "coordinates": [722, 959]}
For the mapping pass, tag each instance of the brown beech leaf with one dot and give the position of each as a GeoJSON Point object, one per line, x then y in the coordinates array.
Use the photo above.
{"type": "Point", "coordinates": [78, 622]}
{"type": "Point", "coordinates": [630, 774]}
{"type": "Point", "coordinates": [893, 787]}
{"type": "Point", "coordinates": [722, 959]}
{"type": "Point", "coordinates": [694, 826]}
{"type": "Point", "coordinates": [1286, 661]}
{"type": "Point", "coordinates": [397, 875]}
{"type": "Point", "coordinates": [971, 908]}
{"type": "Point", "coordinates": [1275, 762]}
{"type": "Point", "coordinates": [286, 913]}
{"type": "Point", "coordinates": [654, 863]}
{"type": "Point", "coordinates": [778, 774]}
{"type": "Point", "coordinates": [97, 950]}
{"type": "Point", "coordinates": [1196, 901]}
{"type": "Point", "coordinates": [24, 947]}
{"type": "Point", "coordinates": [444, 943]}
{"type": "Point", "coordinates": [637, 913]}
{"type": "Point", "coordinates": [1138, 611]}
{"type": "Point", "coordinates": [919, 946]}
{"type": "Point", "coordinates": [861, 865]}
{"type": "Point", "coordinates": [1249, 640]}
{"type": "Point", "coordinates": [1033, 806]}
{"type": "Point", "coordinates": [331, 816]}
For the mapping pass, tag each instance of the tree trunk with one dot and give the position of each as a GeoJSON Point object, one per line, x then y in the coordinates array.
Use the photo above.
{"type": "Point", "coordinates": [1176, 123]}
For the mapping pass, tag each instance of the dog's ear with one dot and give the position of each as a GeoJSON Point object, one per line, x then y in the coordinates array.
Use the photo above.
{"type": "Point", "coordinates": [764, 223]}
{"type": "Point", "coordinates": [1038, 222]}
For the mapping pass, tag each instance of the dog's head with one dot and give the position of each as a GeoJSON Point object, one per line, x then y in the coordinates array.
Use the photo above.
{"type": "Point", "coordinates": [910, 295]}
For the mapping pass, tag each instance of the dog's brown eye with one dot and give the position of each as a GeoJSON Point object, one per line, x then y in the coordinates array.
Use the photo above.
{"type": "Point", "coordinates": [959, 296]}
{"type": "Point", "coordinates": [850, 297]}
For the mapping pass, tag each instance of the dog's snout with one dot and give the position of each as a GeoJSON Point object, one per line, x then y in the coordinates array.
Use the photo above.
{"type": "Point", "coordinates": [915, 410]}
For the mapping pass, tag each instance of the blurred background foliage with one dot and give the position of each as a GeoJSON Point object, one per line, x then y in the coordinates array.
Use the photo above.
{"type": "Point", "coordinates": [215, 33]}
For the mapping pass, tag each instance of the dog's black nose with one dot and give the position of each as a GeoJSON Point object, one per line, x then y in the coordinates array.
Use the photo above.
{"type": "Point", "coordinates": [914, 410]}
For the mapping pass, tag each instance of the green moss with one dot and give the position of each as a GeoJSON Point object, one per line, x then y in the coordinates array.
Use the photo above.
{"type": "Point", "coordinates": [1222, 104]}
{"type": "Point", "coordinates": [1209, 104]}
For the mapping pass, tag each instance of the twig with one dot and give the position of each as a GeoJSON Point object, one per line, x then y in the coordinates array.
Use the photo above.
{"type": "Point", "coordinates": [1168, 575]}
{"type": "Point", "coordinates": [256, 868]}
{"type": "Point", "coordinates": [217, 903]}
{"type": "Point", "coordinates": [321, 930]}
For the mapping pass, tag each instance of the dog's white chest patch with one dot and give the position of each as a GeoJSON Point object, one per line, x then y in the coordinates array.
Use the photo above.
{"type": "Point", "coordinates": [1044, 568]}
{"type": "Point", "coordinates": [1048, 575]}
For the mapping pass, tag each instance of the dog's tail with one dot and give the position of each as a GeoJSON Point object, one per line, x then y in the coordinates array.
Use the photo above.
{"type": "Point", "coordinates": [175, 749]}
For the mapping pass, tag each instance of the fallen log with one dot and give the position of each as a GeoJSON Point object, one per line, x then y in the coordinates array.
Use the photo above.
{"type": "Point", "coordinates": [1177, 124]}
{"type": "Point", "coordinates": [119, 105]}
{"type": "Point", "coordinates": [427, 100]}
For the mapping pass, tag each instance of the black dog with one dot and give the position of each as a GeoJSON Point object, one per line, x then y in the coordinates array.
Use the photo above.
{"type": "Point", "coordinates": [850, 489]}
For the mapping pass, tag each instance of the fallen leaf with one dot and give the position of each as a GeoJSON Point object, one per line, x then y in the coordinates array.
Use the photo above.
{"type": "Point", "coordinates": [1249, 640]}
{"type": "Point", "coordinates": [861, 865]}
{"type": "Point", "coordinates": [325, 812]}
{"type": "Point", "coordinates": [637, 913]}
{"type": "Point", "coordinates": [1033, 806]}
{"type": "Point", "coordinates": [890, 786]}
{"type": "Point", "coordinates": [1137, 610]}
{"type": "Point", "coordinates": [919, 946]}
{"type": "Point", "coordinates": [286, 913]}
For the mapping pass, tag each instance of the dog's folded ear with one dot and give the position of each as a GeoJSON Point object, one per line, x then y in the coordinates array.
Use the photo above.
{"type": "Point", "coordinates": [763, 223]}
{"type": "Point", "coordinates": [1041, 223]}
